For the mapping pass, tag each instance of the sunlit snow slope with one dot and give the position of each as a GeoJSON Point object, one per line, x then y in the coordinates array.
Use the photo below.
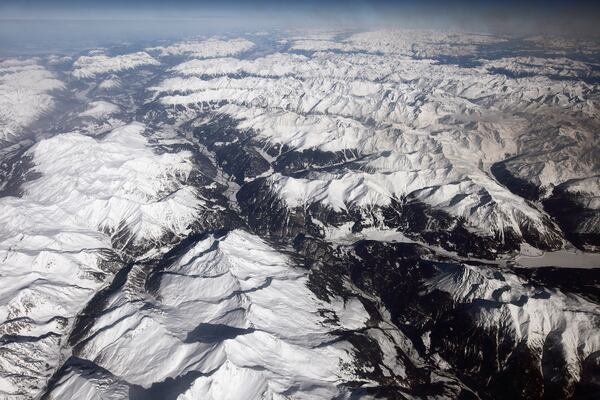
{"type": "Point", "coordinates": [302, 215]}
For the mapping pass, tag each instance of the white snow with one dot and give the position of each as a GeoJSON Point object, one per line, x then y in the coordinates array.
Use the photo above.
{"type": "Point", "coordinates": [410, 42]}
{"type": "Point", "coordinates": [118, 179]}
{"type": "Point", "coordinates": [99, 109]}
{"type": "Point", "coordinates": [575, 317]}
{"type": "Point", "coordinates": [232, 307]}
{"type": "Point", "coordinates": [99, 64]}
{"type": "Point", "coordinates": [112, 82]}
{"type": "Point", "coordinates": [212, 47]}
{"type": "Point", "coordinates": [440, 125]}
{"type": "Point", "coordinates": [55, 252]}
{"type": "Point", "coordinates": [236, 282]}
{"type": "Point", "coordinates": [25, 94]}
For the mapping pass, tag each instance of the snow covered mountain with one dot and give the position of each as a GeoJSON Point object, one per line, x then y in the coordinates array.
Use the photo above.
{"type": "Point", "coordinates": [302, 215]}
{"type": "Point", "coordinates": [25, 94]}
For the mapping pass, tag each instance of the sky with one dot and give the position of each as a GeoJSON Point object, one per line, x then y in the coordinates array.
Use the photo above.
{"type": "Point", "coordinates": [375, 11]}
{"type": "Point", "coordinates": [46, 23]}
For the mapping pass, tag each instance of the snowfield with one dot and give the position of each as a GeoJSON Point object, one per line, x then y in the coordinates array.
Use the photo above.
{"type": "Point", "coordinates": [99, 64]}
{"type": "Point", "coordinates": [413, 43]}
{"type": "Point", "coordinates": [25, 95]}
{"type": "Point", "coordinates": [57, 239]}
{"type": "Point", "coordinates": [116, 181]}
{"type": "Point", "coordinates": [222, 309]}
{"type": "Point", "coordinates": [367, 105]}
{"type": "Point", "coordinates": [212, 47]}
{"type": "Point", "coordinates": [302, 215]}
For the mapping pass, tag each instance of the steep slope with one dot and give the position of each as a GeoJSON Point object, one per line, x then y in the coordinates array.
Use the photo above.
{"type": "Point", "coordinates": [397, 128]}
{"type": "Point", "coordinates": [95, 204]}
{"type": "Point", "coordinates": [306, 215]}
{"type": "Point", "coordinates": [219, 315]}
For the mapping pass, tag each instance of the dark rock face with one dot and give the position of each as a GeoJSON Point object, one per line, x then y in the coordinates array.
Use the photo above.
{"type": "Point", "coordinates": [94, 308]}
{"type": "Point", "coordinates": [237, 154]}
{"type": "Point", "coordinates": [269, 215]}
{"type": "Point", "coordinates": [329, 269]}
{"type": "Point", "coordinates": [488, 358]}
{"type": "Point", "coordinates": [266, 213]}
{"type": "Point", "coordinates": [532, 192]}
{"type": "Point", "coordinates": [572, 215]}
{"type": "Point", "coordinates": [420, 221]}
{"type": "Point", "coordinates": [298, 163]}
{"type": "Point", "coordinates": [518, 186]}
{"type": "Point", "coordinates": [14, 171]}
{"type": "Point", "coordinates": [234, 151]}
{"type": "Point", "coordinates": [589, 385]}
{"type": "Point", "coordinates": [583, 282]}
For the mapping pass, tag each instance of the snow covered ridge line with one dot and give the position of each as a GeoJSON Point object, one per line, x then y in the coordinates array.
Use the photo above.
{"type": "Point", "coordinates": [90, 66]}
{"type": "Point", "coordinates": [278, 64]}
{"type": "Point", "coordinates": [370, 67]}
{"type": "Point", "coordinates": [212, 47]}
{"type": "Point", "coordinates": [111, 83]}
{"type": "Point", "coordinates": [95, 203]}
{"type": "Point", "coordinates": [414, 43]}
{"type": "Point", "coordinates": [560, 67]}
{"type": "Point", "coordinates": [114, 181]}
{"type": "Point", "coordinates": [387, 102]}
{"type": "Point", "coordinates": [382, 68]}
{"type": "Point", "coordinates": [566, 45]}
{"type": "Point", "coordinates": [231, 313]}
{"type": "Point", "coordinates": [373, 105]}
{"type": "Point", "coordinates": [25, 89]}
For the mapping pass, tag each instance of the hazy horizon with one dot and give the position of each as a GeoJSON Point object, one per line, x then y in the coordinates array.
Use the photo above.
{"type": "Point", "coordinates": [64, 24]}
